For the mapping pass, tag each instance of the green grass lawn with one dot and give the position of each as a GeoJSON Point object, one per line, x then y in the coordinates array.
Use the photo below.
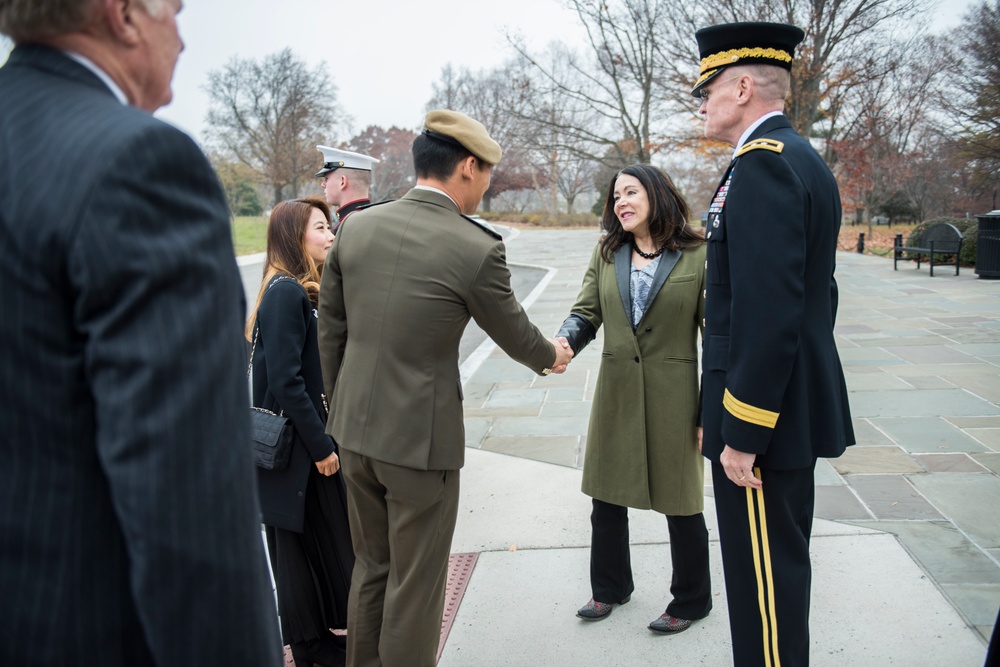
{"type": "Point", "coordinates": [249, 234]}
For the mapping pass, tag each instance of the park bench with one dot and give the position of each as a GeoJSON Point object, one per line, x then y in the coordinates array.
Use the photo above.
{"type": "Point", "coordinates": [941, 239]}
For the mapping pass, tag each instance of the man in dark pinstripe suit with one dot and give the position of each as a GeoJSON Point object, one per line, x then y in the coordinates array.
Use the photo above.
{"type": "Point", "coordinates": [129, 529]}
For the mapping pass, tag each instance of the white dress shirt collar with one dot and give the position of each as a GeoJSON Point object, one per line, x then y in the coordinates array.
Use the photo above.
{"type": "Point", "coordinates": [100, 74]}
{"type": "Point", "coordinates": [750, 130]}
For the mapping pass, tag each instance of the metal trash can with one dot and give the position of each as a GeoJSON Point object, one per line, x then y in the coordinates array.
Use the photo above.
{"type": "Point", "coordinates": [988, 245]}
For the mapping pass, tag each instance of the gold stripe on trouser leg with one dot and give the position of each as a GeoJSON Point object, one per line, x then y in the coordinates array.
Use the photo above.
{"type": "Point", "coordinates": [762, 552]}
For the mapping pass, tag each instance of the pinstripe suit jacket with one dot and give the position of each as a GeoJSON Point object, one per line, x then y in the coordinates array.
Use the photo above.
{"type": "Point", "coordinates": [128, 511]}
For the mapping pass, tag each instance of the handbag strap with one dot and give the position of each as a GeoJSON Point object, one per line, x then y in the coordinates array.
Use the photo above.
{"type": "Point", "coordinates": [253, 347]}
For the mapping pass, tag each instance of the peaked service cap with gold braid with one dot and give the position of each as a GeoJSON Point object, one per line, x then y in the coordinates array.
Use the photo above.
{"type": "Point", "coordinates": [728, 44]}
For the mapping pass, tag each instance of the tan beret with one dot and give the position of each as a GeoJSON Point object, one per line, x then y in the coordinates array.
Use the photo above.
{"type": "Point", "coordinates": [456, 127]}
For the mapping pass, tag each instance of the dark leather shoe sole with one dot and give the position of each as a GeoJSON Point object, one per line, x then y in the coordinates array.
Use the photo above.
{"type": "Point", "coordinates": [596, 611]}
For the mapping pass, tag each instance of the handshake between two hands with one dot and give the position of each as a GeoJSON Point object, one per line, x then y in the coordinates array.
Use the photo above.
{"type": "Point", "coordinates": [563, 354]}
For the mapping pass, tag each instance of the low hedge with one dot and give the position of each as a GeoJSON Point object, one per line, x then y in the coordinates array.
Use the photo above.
{"type": "Point", "coordinates": [537, 219]}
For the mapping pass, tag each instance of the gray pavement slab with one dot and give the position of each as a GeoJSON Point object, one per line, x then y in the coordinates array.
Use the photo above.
{"type": "Point", "coordinates": [880, 380]}
{"type": "Point", "coordinates": [892, 497]}
{"type": "Point", "coordinates": [960, 462]}
{"type": "Point", "coordinates": [919, 402]}
{"type": "Point", "coordinates": [971, 500]}
{"type": "Point", "coordinates": [868, 435]}
{"type": "Point", "coordinates": [541, 426]}
{"type": "Point", "coordinates": [990, 437]}
{"type": "Point", "coordinates": [826, 475]}
{"type": "Point", "coordinates": [840, 503]}
{"type": "Point", "coordinates": [506, 398]}
{"type": "Point", "coordinates": [927, 434]}
{"type": "Point", "coordinates": [864, 460]}
{"type": "Point", "coordinates": [476, 429]}
{"type": "Point", "coordinates": [976, 600]}
{"type": "Point", "coordinates": [930, 354]}
{"type": "Point", "coordinates": [991, 460]}
{"type": "Point", "coordinates": [561, 450]}
{"type": "Point", "coordinates": [975, 422]}
{"type": "Point", "coordinates": [578, 409]}
{"type": "Point", "coordinates": [947, 555]}
{"type": "Point", "coordinates": [929, 382]}
{"type": "Point", "coordinates": [985, 386]}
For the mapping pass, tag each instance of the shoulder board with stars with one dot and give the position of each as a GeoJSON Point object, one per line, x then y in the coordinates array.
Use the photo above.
{"type": "Point", "coordinates": [766, 144]}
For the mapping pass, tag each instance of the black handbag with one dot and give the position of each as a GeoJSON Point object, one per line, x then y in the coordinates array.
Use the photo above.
{"type": "Point", "coordinates": [272, 439]}
{"type": "Point", "coordinates": [272, 433]}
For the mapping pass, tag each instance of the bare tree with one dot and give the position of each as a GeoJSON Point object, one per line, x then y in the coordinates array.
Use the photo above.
{"type": "Point", "coordinates": [620, 81]}
{"type": "Point", "coordinates": [270, 115]}
{"type": "Point", "coordinates": [393, 175]}
{"type": "Point", "coordinates": [488, 96]}
{"type": "Point", "coordinates": [973, 105]}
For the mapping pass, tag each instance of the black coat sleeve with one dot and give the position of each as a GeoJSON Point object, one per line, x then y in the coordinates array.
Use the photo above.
{"type": "Point", "coordinates": [578, 331]}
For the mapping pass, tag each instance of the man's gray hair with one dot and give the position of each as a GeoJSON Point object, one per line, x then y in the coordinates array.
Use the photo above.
{"type": "Point", "coordinates": [773, 83]}
{"type": "Point", "coordinates": [29, 20]}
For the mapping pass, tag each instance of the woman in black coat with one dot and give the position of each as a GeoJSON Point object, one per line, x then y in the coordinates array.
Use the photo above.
{"type": "Point", "coordinates": [303, 506]}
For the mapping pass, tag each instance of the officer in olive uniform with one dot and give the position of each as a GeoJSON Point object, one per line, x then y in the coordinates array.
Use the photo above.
{"type": "Point", "coordinates": [774, 393]}
{"type": "Point", "coordinates": [399, 287]}
{"type": "Point", "coordinates": [347, 178]}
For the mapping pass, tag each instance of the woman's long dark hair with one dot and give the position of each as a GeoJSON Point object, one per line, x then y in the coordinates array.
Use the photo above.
{"type": "Point", "coordinates": [668, 214]}
{"type": "Point", "coordinates": [286, 249]}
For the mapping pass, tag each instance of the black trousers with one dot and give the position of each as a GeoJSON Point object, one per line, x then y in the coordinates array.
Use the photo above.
{"type": "Point", "coordinates": [765, 556]}
{"type": "Point", "coordinates": [312, 569]}
{"type": "Point", "coordinates": [611, 564]}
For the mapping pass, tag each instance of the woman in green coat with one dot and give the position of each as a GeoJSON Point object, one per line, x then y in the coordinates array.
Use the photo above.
{"type": "Point", "coordinates": [645, 285]}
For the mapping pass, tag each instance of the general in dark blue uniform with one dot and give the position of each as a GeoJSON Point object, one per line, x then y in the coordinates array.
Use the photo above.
{"type": "Point", "coordinates": [774, 394]}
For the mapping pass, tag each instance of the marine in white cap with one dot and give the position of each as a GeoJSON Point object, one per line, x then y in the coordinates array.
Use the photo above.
{"type": "Point", "coordinates": [346, 180]}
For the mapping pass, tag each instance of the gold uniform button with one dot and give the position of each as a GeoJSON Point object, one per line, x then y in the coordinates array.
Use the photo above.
{"type": "Point", "coordinates": [704, 293]}
{"type": "Point", "coordinates": [710, 235]}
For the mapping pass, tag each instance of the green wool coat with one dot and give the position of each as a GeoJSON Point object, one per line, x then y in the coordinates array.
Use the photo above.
{"type": "Point", "coordinates": [642, 445]}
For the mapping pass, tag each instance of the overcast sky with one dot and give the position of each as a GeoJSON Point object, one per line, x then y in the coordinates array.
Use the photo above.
{"type": "Point", "coordinates": [383, 55]}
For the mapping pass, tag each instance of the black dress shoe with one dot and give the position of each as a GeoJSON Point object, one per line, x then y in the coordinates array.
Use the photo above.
{"type": "Point", "coordinates": [595, 611]}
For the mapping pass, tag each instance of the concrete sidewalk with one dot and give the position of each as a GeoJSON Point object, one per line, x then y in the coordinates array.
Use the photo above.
{"type": "Point", "coordinates": [907, 538]}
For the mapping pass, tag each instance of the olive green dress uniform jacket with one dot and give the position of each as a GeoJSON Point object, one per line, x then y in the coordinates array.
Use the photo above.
{"type": "Point", "coordinates": [389, 342]}
{"type": "Point", "coordinates": [642, 445]}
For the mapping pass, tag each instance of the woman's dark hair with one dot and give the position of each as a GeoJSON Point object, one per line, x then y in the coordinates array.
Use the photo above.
{"type": "Point", "coordinates": [436, 158]}
{"type": "Point", "coordinates": [286, 249]}
{"type": "Point", "coordinates": [668, 214]}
